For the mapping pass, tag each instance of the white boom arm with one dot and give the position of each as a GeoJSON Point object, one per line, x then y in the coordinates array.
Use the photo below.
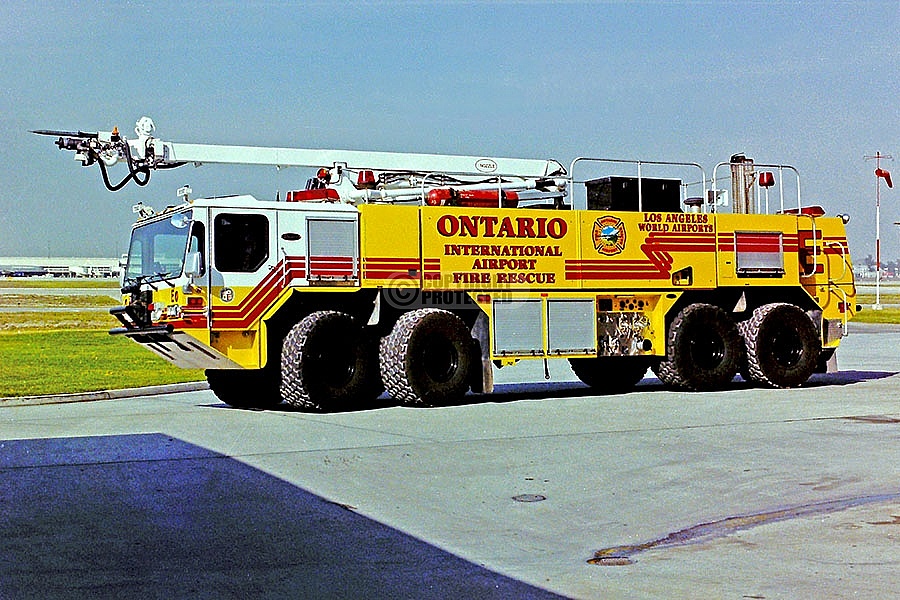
{"type": "Point", "coordinates": [355, 160]}
{"type": "Point", "coordinates": [146, 153]}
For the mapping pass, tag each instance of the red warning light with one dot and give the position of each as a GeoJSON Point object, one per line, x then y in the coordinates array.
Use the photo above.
{"type": "Point", "coordinates": [365, 179]}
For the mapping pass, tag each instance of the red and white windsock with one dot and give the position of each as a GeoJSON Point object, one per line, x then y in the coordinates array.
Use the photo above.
{"type": "Point", "coordinates": [886, 175]}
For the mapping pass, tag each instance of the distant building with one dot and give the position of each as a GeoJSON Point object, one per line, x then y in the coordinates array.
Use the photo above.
{"type": "Point", "coordinates": [33, 266]}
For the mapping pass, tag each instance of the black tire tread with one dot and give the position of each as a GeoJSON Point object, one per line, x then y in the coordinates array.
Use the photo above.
{"type": "Point", "coordinates": [396, 370]}
{"type": "Point", "coordinates": [751, 330]}
{"type": "Point", "coordinates": [610, 374]}
{"type": "Point", "coordinates": [310, 395]}
{"type": "Point", "coordinates": [245, 388]}
{"type": "Point", "coordinates": [672, 370]}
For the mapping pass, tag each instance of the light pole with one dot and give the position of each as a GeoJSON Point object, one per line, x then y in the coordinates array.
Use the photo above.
{"type": "Point", "coordinates": [879, 175]}
{"type": "Point", "coordinates": [897, 271]}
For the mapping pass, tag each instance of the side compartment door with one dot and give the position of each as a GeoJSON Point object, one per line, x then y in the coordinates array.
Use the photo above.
{"type": "Point", "coordinates": [333, 249]}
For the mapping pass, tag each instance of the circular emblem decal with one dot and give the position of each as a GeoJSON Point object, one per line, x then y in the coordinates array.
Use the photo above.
{"type": "Point", "coordinates": [609, 235]}
{"type": "Point", "coordinates": [227, 294]}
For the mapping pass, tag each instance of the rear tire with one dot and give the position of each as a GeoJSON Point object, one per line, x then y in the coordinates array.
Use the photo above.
{"type": "Point", "coordinates": [610, 374]}
{"type": "Point", "coordinates": [328, 364]}
{"type": "Point", "coordinates": [703, 349]}
{"type": "Point", "coordinates": [782, 346]}
{"type": "Point", "coordinates": [245, 388]}
{"type": "Point", "coordinates": [427, 357]}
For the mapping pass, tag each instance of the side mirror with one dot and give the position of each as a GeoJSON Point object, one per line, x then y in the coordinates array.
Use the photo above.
{"type": "Point", "coordinates": [193, 266]}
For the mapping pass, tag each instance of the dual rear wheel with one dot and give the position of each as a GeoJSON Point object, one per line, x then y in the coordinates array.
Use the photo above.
{"type": "Point", "coordinates": [704, 349]}
{"type": "Point", "coordinates": [427, 358]}
{"type": "Point", "coordinates": [782, 346]}
{"type": "Point", "coordinates": [328, 363]}
{"type": "Point", "coordinates": [778, 346]}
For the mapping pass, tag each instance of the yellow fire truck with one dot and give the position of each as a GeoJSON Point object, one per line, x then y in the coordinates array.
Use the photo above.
{"type": "Point", "coordinates": [418, 274]}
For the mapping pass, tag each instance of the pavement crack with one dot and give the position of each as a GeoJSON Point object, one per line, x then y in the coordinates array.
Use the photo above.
{"type": "Point", "coordinates": [622, 555]}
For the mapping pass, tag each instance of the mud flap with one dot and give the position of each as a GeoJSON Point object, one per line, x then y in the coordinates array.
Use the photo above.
{"type": "Point", "coordinates": [483, 382]}
{"type": "Point", "coordinates": [827, 361]}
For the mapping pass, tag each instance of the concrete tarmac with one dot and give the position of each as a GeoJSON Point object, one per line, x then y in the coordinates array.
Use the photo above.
{"type": "Point", "coordinates": [541, 490]}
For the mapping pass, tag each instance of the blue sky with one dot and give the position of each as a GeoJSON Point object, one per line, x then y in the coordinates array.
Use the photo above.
{"type": "Point", "coordinates": [812, 84]}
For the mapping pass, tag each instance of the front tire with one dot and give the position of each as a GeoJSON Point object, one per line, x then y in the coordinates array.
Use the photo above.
{"type": "Point", "coordinates": [427, 357]}
{"type": "Point", "coordinates": [245, 388]}
{"type": "Point", "coordinates": [703, 349]}
{"type": "Point", "coordinates": [328, 364]}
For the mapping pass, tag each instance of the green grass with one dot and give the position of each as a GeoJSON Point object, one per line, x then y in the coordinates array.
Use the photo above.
{"type": "Point", "coordinates": [60, 344]}
{"type": "Point", "coordinates": [885, 315]}
{"type": "Point", "coordinates": [56, 320]}
{"type": "Point", "coordinates": [52, 362]}
{"type": "Point", "coordinates": [888, 314]}
{"type": "Point", "coordinates": [28, 282]}
{"type": "Point", "coordinates": [22, 301]}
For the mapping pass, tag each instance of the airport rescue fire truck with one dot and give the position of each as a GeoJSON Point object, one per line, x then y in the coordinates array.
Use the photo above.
{"type": "Point", "coordinates": [418, 274]}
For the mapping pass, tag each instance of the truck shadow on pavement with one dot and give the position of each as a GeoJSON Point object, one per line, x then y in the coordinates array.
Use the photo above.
{"type": "Point", "coordinates": [147, 515]}
{"type": "Point", "coordinates": [515, 392]}
{"type": "Point", "coordinates": [547, 390]}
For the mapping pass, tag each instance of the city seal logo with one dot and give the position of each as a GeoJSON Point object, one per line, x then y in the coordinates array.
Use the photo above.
{"type": "Point", "coordinates": [609, 235]}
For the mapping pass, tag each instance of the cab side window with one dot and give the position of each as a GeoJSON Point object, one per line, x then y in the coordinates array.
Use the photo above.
{"type": "Point", "coordinates": [241, 243]}
{"type": "Point", "coordinates": [198, 243]}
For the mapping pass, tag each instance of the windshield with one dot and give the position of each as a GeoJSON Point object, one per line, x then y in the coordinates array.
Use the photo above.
{"type": "Point", "coordinates": [157, 249]}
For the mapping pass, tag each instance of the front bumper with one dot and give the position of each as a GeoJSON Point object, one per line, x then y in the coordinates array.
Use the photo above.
{"type": "Point", "coordinates": [177, 347]}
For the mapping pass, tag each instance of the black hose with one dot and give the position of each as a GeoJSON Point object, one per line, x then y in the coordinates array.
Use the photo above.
{"type": "Point", "coordinates": [140, 175]}
{"type": "Point", "coordinates": [133, 173]}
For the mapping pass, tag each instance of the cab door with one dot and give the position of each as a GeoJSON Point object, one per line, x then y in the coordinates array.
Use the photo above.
{"type": "Point", "coordinates": [242, 269]}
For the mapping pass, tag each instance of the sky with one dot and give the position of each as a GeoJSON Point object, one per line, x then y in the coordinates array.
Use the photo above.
{"type": "Point", "coordinates": [810, 84]}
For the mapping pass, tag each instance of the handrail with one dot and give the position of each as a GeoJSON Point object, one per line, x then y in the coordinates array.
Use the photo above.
{"type": "Point", "coordinates": [815, 265]}
{"type": "Point", "coordinates": [833, 286]}
{"type": "Point", "coordinates": [844, 319]}
{"type": "Point", "coordinates": [780, 168]}
{"type": "Point", "coordinates": [843, 259]}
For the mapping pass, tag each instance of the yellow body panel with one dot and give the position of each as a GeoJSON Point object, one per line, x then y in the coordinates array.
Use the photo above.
{"type": "Point", "coordinates": [624, 250]}
{"type": "Point", "coordinates": [497, 249]}
{"type": "Point", "coordinates": [730, 227]}
{"type": "Point", "coordinates": [390, 250]}
{"type": "Point", "coordinates": [240, 346]}
{"type": "Point", "coordinates": [522, 249]}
